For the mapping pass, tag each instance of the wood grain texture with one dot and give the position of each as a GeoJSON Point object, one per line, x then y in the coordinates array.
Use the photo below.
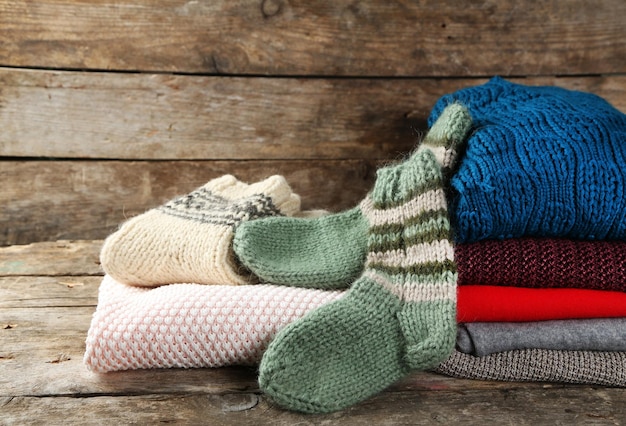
{"type": "Point", "coordinates": [51, 290]}
{"type": "Point", "coordinates": [138, 116]}
{"type": "Point", "coordinates": [299, 37]}
{"type": "Point", "coordinates": [582, 406]}
{"type": "Point", "coordinates": [54, 258]}
{"type": "Point", "coordinates": [108, 116]}
{"type": "Point", "coordinates": [50, 200]}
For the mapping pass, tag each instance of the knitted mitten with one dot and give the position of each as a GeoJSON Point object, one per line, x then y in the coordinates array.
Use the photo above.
{"type": "Point", "coordinates": [398, 316]}
{"type": "Point", "coordinates": [189, 238]}
{"type": "Point", "coordinates": [543, 161]}
{"type": "Point", "coordinates": [329, 252]}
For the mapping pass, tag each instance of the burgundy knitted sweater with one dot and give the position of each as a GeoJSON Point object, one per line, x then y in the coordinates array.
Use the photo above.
{"type": "Point", "coordinates": [543, 262]}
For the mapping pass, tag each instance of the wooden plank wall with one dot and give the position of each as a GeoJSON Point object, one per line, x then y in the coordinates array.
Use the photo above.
{"type": "Point", "coordinates": [108, 108]}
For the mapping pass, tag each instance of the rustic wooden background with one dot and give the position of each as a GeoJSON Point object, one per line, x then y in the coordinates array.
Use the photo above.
{"type": "Point", "coordinates": [108, 108]}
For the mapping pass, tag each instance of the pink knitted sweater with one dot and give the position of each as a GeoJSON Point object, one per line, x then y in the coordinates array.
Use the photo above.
{"type": "Point", "coordinates": [191, 325]}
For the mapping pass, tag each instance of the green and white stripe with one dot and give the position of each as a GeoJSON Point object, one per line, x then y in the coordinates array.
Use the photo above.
{"type": "Point", "coordinates": [409, 249]}
{"type": "Point", "coordinates": [410, 252]}
{"type": "Point", "coordinates": [400, 315]}
{"type": "Point", "coordinates": [447, 134]}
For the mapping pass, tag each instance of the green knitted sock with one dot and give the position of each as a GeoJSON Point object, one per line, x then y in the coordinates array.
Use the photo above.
{"type": "Point", "coordinates": [329, 252]}
{"type": "Point", "coordinates": [400, 315]}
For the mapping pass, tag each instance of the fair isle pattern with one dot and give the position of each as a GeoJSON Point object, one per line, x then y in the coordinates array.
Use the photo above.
{"type": "Point", "coordinates": [203, 206]}
{"type": "Point", "coordinates": [191, 325]}
{"type": "Point", "coordinates": [190, 238]}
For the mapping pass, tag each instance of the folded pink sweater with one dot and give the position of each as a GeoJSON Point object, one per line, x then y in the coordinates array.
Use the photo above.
{"type": "Point", "coordinates": [191, 325]}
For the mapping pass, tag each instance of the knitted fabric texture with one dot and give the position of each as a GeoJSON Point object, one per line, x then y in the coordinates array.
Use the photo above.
{"type": "Point", "coordinates": [483, 303]}
{"type": "Point", "coordinates": [398, 316]}
{"type": "Point", "coordinates": [194, 326]}
{"type": "Point", "coordinates": [329, 252]}
{"type": "Point", "coordinates": [542, 161]}
{"type": "Point", "coordinates": [596, 334]}
{"type": "Point", "coordinates": [540, 365]}
{"type": "Point", "coordinates": [326, 253]}
{"type": "Point", "coordinates": [543, 262]}
{"type": "Point", "coordinates": [190, 325]}
{"type": "Point", "coordinates": [189, 239]}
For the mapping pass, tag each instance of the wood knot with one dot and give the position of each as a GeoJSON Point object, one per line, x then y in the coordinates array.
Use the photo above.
{"type": "Point", "coordinates": [271, 8]}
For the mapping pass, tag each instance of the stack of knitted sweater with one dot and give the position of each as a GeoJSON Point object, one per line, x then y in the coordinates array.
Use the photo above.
{"type": "Point", "coordinates": [496, 250]}
{"type": "Point", "coordinates": [540, 225]}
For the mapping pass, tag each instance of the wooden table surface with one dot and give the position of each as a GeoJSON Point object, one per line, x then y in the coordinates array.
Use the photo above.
{"type": "Point", "coordinates": [48, 293]}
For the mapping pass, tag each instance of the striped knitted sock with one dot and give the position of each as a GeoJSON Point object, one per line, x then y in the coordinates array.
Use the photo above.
{"type": "Point", "coordinates": [329, 252]}
{"type": "Point", "coordinates": [189, 238]}
{"type": "Point", "coordinates": [400, 315]}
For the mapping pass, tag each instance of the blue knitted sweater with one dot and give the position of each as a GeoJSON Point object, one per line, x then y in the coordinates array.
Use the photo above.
{"type": "Point", "coordinates": [542, 161]}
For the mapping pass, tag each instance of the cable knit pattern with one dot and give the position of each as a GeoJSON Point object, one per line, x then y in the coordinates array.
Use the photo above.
{"type": "Point", "coordinates": [541, 365]}
{"type": "Point", "coordinates": [191, 325]}
{"type": "Point", "coordinates": [543, 262]}
{"type": "Point", "coordinates": [189, 239]}
{"type": "Point", "coordinates": [542, 161]}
